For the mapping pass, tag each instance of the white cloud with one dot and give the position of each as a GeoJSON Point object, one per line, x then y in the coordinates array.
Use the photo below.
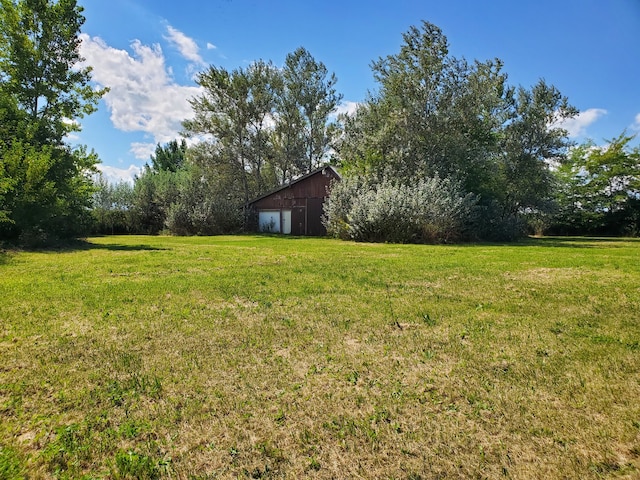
{"type": "Point", "coordinates": [143, 97]}
{"type": "Point", "coordinates": [115, 175]}
{"type": "Point", "coordinates": [577, 126]}
{"type": "Point", "coordinates": [187, 47]}
{"type": "Point", "coordinates": [142, 150]}
{"type": "Point", "coordinates": [636, 124]}
{"type": "Point", "coordinates": [347, 107]}
{"type": "Point", "coordinates": [211, 46]}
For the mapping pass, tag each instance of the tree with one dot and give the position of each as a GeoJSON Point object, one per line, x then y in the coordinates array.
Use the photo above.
{"type": "Point", "coordinates": [599, 188]}
{"type": "Point", "coordinates": [437, 115]}
{"type": "Point", "coordinates": [153, 194]}
{"type": "Point", "coordinates": [529, 142]}
{"type": "Point", "coordinates": [112, 207]}
{"type": "Point", "coordinates": [433, 114]}
{"type": "Point", "coordinates": [46, 184]}
{"type": "Point", "coordinates": [308, 98]}
{"type": "Point", "coordinates": [206, 205]}
{"type": "Point", "coordinates": [170, 157]}
{"type": "Point", "coordinates": [236, 110]}
{"type": "Point", "coordinates": [266, 124]}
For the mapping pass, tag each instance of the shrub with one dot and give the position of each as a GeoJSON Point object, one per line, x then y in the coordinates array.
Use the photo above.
{"type": "Point", "coordinates": [153, 194]}
{"type": "Point", "coordinates": [429, 210]}
{"type": "Point", "coordinates": [203, 208]}
{"type": "Point", "coordinates": [491, 222]}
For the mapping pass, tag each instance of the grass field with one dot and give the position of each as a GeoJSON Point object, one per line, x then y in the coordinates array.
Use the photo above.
{"type": "Point", "coordinates": [271, 357]}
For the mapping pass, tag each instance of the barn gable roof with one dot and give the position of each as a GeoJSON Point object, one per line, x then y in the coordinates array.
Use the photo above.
{"type": "Point", "coordinates": [295, 181]}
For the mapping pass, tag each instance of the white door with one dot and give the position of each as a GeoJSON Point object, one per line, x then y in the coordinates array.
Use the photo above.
{"type": "Point", "coordinates": [286, 222]}
{"type": "Point", "coordinates": [269, 221]}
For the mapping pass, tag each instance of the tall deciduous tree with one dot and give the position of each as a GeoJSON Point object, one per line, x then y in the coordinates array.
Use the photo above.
{"type": "Point", "coordinates": [43, 91]}
{"type": "Point", "coordinates": [236, 111]}
{"type": "Point", "coordinates": [529, 144]}
{"type": "Point", "coordinates": [270, 124]}
{"type": "Point", "coordinates": [112, 207]}
{"type": "Point", "coordinates": [435, 114]}
{"type": "Point", "coordinates": [308, 98]}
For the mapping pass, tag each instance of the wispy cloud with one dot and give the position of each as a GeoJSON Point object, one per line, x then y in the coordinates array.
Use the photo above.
{"type": "Point", "coordinates": [143, 96]}
{"type": "Point", "coordinates": [211, 46]}
{"type": "Point", "coordinates": [636, 124]}
{"type": "Point", "coordinates": [142, 150]}
{"type": "Point", "coordinates": [577, 126]}
{"type": "Point", "coordinates": [115, 175]}
{"type": "Point", "coordinates": [187, 47]}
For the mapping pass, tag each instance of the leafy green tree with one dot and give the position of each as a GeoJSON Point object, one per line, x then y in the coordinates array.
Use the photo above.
{"type": "Point", "coordinates": [169, 157]}
{"type": "Point", "coordinates": [9, 120]}
{"type": "Point", "coordinates": [205, 205]}
{"type": "Point", "coordinates": [156, 189]}
{"type": "Point", "coordinates": [113, 207]}
{"type": "Point", "coordinates": [529, 144]}
{"type": "Point", "coordinates": [437, 115]}
{"type": "Point", "coordinates": [153, 194]}
{"type": "Point", "coordinates": [268, 124]}
{"type": "Point", "coordinates": [600, 188]}
{"type": "Point", "coordinates": [236, 110]}
{"type": "Point", "coordinates": [308, 98]}
{"type": "Point", "coordinates": [433, 114]}
{"type": "Point", "coordinates": [46, 184]}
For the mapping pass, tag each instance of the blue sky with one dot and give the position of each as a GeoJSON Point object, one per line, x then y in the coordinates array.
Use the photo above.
{"type": "Point", "coordinates": [148, 51]}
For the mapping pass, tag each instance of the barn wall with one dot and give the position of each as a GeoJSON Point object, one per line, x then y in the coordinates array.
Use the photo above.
{"type": "Point", "coordinates": [305, 198]}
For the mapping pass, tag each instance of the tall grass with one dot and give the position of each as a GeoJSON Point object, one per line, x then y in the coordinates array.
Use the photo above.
{"type": "Point", "coordinates": [272, 357]}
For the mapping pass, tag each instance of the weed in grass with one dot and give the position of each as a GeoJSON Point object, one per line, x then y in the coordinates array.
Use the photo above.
{"type": "Point", "coordinates": [352, 377]}
{"type": "Point", "coordinates": [314, 464]}
{"type": "Point", "coordinates": [130, 429]}
{"type": "Point", "coordinates": [10, 465]}
{"type": "Point", "coordinates": [558, 328]}
{"type": "Point", "coordinates": [123, 392]}
{"type": "Point", "coordinates": [13, 405]}
{"type": "Point", "coordinates": [132, 465]}
{"type": "Point", "coordinates": [427, 320]}
{"type": "Point", "coordinates": [280, 417]}
{"type": "Point", "coordinates": [69, 449]}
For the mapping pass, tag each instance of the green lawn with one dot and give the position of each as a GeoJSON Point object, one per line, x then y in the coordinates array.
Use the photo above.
{"type": "Point", "coordinates": [271, 357]}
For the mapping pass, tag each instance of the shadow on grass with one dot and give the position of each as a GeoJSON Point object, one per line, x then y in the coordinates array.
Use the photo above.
{"type": "Point", "coordinates": [126, 248]}
{"type": "Point", "coordinates": [83, 245]}
{"type": "Point", "coordinates": [4, 257]}
{"type": "Point", "coordinates": [560, 242]}
{"type": "Point", "coordinates": [578, 242]}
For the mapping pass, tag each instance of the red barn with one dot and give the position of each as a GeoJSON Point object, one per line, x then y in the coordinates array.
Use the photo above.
{"type": "Point", "coordinates": [295, 208]}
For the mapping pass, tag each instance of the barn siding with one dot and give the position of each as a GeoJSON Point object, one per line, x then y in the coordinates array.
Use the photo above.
{"type": "Point", "coordinates": [305, 198]}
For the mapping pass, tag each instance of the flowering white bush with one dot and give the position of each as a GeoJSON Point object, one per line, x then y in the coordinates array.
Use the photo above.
{"type": "Point", "coordinates": [429, 210]}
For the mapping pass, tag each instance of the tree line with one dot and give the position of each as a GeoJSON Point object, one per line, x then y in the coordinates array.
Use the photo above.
{"type": "Point", "coordinates": [492, 160]}
{"type": "Point", "coordinates": [443, 150]}
{"type": "Point", "coordinates": [253, 129]}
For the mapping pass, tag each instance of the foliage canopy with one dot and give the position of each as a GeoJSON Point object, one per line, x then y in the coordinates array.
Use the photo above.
{"type": "Point", "coordinates": [437, 115]}
{"type": "Point", "coordinates": [45, 184]}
